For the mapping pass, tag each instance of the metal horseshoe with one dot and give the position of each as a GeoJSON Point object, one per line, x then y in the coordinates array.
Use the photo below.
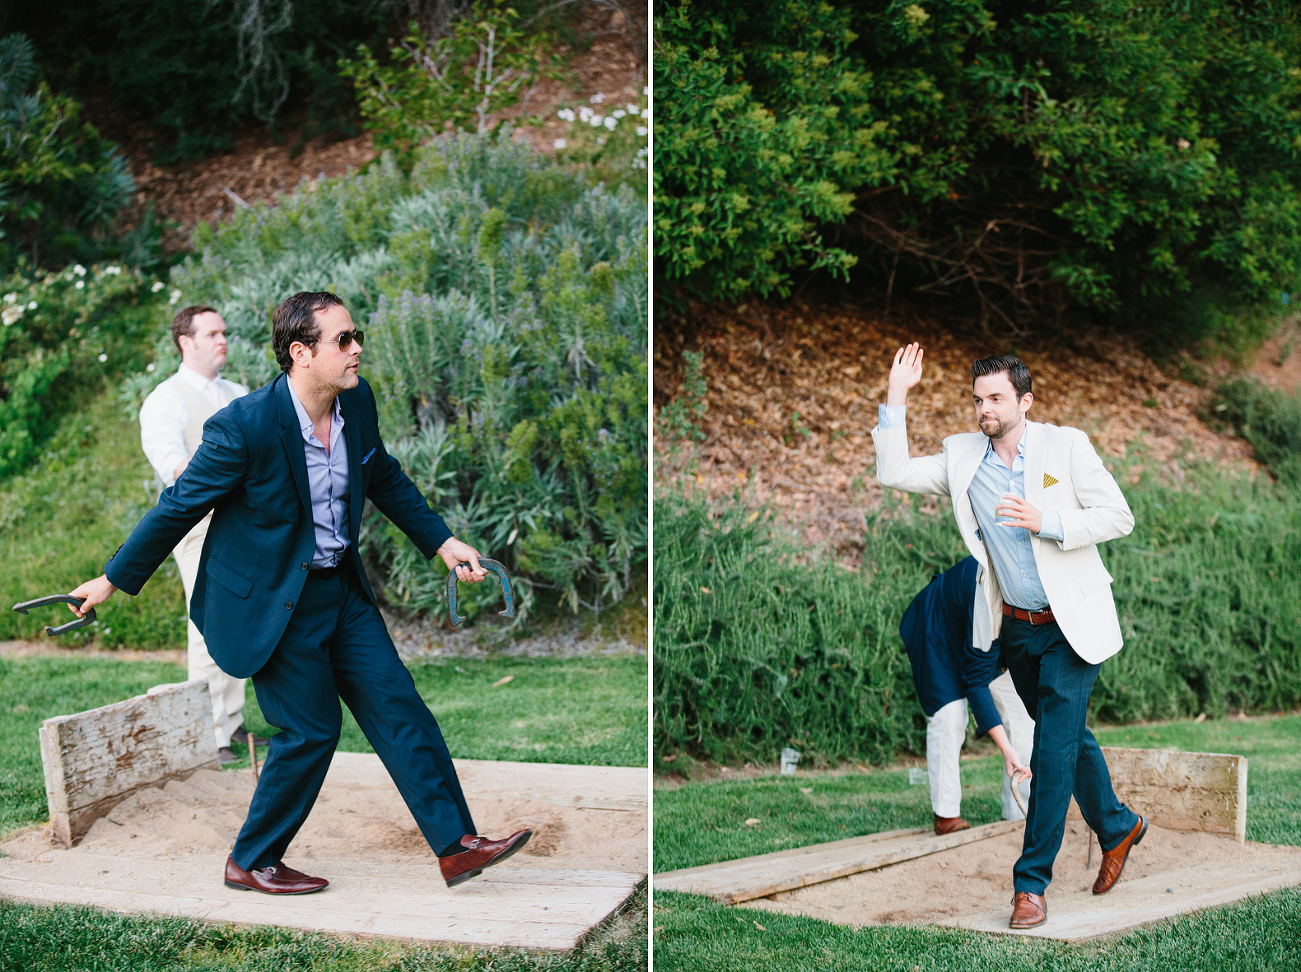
{"type": "Point", "coordinates": [497, 568]}
{"type": "Point", "coordinates": [81, 622]}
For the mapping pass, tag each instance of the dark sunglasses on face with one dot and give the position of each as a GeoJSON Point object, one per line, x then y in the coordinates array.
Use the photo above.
{"type": "Point", "coordinates": [346, 338]}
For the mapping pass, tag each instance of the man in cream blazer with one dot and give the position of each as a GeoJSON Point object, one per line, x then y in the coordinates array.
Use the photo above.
{"type": "Point", "coordinates": [1032, 502]}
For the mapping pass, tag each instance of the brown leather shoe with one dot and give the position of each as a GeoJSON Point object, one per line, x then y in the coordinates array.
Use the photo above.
{"type": "Point", "coordinates": [1028, 910]}
{"type": "Point", "coordinates": [1113, 861]}
{"type": "Point", "coordinates": [480, 853]}
{"type": "Point", "coordinates": [947, 825]}
{"type": "Point", "coordinates": [276, 879]}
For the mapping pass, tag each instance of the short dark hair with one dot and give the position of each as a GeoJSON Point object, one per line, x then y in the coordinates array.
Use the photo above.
{"type": "Point", "coordinates": [183, 322]}
{"type": "Point", "coordinates": [295, 320]}
{"type": "Point", "coordinates": [1017, 373]}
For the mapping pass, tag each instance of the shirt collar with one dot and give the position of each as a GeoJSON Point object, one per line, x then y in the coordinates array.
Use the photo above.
{"type": "Point", "coordinates": [193, 378]}
{"type": "Point", "coordinates": [1020, 446]}
{"type": "Point", "coordinates": [305, 423]}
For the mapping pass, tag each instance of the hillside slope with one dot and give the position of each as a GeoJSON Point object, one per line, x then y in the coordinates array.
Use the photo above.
{"type": "Point", "coordinates": [794, 390]}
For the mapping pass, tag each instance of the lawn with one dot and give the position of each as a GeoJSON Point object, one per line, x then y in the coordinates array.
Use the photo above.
{"type": "Point", "coordinates": [703, 822]}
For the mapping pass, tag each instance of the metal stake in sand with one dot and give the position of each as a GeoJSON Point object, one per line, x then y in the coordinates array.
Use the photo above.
{"type": "Point", "coordinates": [252, 754]}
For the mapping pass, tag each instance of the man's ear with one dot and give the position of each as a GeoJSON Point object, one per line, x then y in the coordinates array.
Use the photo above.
{"type": "Point", "coordinates": [1026, 401]}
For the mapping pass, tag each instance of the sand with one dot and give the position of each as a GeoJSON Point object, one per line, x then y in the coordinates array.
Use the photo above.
{"type": "Point", "coordinates": [1171, 872]}
{"type": "Point", "coordinates": [163, 850]}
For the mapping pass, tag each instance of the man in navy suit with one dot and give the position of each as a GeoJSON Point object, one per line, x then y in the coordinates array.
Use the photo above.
{"type": "Point", "coordinates": [282, 597]}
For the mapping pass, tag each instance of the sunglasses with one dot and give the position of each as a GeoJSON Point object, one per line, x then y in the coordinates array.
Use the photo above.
{"type": "Point", "coordinates": [346, 338]}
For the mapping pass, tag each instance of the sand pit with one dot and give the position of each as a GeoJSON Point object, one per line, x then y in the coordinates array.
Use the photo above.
{"type": "Point", "coordinates": [163, 849]}
{"type": "Point", "coordinates": [1170, 873]}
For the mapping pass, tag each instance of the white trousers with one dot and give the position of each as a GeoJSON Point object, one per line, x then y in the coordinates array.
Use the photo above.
{"type": "Point", "coordinates": [947, 730]}
{"type": "Point", "coordinates": [227, 692]}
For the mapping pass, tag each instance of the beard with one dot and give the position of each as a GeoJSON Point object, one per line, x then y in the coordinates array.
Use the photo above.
{"type": "Point", "coordinates": [1000, 428]}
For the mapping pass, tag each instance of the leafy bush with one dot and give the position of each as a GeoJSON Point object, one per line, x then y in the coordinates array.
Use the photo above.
{"type": "Point", "coordinates": [760, 644]}
{"type": "Point", "coordinates": [1267, 418]}
{"type": "Point", "coordinates": [484, 64]}
{"type": "Point", "coordinates": [1111, 154]}
{"type": "Point", "coordinates": [61, 185]}
{"type": "Point", "coordinates": [63, 335]}
{"type": "Point", "coordinates": [609, 142]}
{"type": "Point", "coordinates": [505, 304]}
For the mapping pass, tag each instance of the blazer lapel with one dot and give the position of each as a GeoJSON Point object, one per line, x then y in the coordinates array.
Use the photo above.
{"type": "Point", "coordinates": [291, 435]}
{"type": "Point", "coordinates": [352, 438]}
{"type": "Point", "coordinates": [964, 471]}
{"type": "Point", "coordinates": [1035, 460]}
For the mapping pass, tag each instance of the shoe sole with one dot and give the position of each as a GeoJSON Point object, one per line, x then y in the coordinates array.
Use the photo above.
{"type": "Point", "coordinates": [1034, 925]}
{"type": "Point", "coordinates": [1137, 840]}
{"type": "Point", "coordinates": [244, 887]}
{"type": "Point", "coordinates": [462, 878]}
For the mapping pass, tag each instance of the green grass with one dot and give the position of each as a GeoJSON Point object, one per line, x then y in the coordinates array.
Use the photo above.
{"type": "Point", "coordinates": [694, 933]}
{"type": "Point", "coordinates": [64, 518]}
{"type": "Point", "coordinates": [581, 710]}
{"type": "Point", "coordinates": [704, 822]}
{"type": "Point", "coordinates": [64, 939]}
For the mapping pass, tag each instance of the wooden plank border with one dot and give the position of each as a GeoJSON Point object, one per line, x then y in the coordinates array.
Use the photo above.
{"type": "Point", "coordinates": [95, 759]}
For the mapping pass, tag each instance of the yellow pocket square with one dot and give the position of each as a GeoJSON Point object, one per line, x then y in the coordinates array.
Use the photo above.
{"type": "Point", "coordinates": [1049, 481]}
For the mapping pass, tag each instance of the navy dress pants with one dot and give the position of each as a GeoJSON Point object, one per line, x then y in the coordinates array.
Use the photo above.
{"type": "Point", "coordinates": [1054, 683]}
{"type": "Point", "coordinates": [337, 647]}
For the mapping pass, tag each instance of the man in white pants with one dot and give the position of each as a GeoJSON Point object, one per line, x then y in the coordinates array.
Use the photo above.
{"type": "Point", "coordinates": [171, 428]}
{"type": "Point", "coordinates": [950, 674]}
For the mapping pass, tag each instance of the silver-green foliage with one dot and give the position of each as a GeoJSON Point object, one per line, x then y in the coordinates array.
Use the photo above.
{"type": "Point", "coordinates": [504, 302]}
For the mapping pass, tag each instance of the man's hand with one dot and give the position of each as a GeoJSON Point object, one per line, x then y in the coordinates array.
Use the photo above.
{"type": "Point", "coordinates": [904, 374]}
{"type": "Point", "coordinates": [95, 592]}
{"type": "Point", "coordinates": [1019, 513]}
{"type": "Point", "coordinates": [454, 552]}
{"type": "Point", "coordinates": [1012, 764]}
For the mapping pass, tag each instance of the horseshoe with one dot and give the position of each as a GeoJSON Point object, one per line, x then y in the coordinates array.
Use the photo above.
{"type": "Point", "coordinates": [72, 625]}
{"type": "Point", "coordinates": [497, 568]}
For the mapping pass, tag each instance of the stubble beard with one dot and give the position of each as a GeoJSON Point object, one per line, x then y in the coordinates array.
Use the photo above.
{"type": "Point", "coordinates": [1001, 429]}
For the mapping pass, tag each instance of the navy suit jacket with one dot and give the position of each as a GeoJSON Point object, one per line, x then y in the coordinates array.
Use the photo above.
{"type": "Point", "coordinates": [251, 472]}
{"type": "Point", "coordinates": [936, 631]}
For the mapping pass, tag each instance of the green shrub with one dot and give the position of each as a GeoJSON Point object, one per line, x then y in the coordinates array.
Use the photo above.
{"type": "Point", "coordinates": [1109, 154]}
{"type": "Point", "coordinates": [63, 336]}
{"type": "Point", "coordinates": [1267, 418]}
{"type": "Point", "coordinates": [505, 304]}
{"type": "Point", "coordinates": [760, 644]}
{"type": "Point", "coordinates": [61, 185]}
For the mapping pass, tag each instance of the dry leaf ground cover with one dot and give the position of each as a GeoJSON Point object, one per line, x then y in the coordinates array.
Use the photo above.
{"type": "Point", "coordinates": [794, 389]}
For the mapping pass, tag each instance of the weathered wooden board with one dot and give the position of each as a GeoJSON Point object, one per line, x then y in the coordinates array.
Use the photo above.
{"type": "Point", "coordinates": [95, 759]}
{"type": "Point", "coordinates": [1180, 791]}
{"type": "Point", "coordinates": [731, 882]}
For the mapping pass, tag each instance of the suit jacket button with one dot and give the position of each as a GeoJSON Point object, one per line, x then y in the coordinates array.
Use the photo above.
{"type": "Point", "coordinates": [303, 565]}
{"type": "Point", "coordinates": [289, 605]}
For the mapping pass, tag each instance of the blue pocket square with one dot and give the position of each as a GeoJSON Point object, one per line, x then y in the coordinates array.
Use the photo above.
{"type": "Point", "coordinates": [368, 455]}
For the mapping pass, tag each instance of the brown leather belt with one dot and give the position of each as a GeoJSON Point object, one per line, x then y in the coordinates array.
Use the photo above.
{"type": "Point", "coordinates": [1034, 617]}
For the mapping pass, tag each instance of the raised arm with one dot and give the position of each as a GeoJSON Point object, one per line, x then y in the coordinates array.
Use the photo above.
{"type": "Point", "coordinates": [894, 468]}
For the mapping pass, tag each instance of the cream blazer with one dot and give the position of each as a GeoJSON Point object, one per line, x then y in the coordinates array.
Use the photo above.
{"type": "Point", "coordinates": [1062, 473]}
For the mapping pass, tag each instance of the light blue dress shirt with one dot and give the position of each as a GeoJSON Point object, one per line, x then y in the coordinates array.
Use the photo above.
{"type": "Point", "coordinates": [1010, 550]}
{"type": "Point", "coordinates": [327, 480]}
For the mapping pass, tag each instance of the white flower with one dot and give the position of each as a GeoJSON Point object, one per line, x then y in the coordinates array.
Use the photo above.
{"type": "Point", "coordinates": [585, 114]}
{"type": "Point", "coordinates": [597, 121]}
{"type": "Point", "coordinates": [598, 98]}
{"type": "Point", "coordinates": [32, 305]}
{"type": "Point", "coordinates": [103, 358]}
{"type": "Point", "coordinates": [79, 270]}
{"type": "Point", "coordinates": [113, 270]}
{"type": "Point", "coordinates": [158, 285]}
{"type": "Point", "coordinates": [79, 284]}
{"type": "Point", "coordinates": [618, 113]}
{"type": "Point", "coordinates": [561, 143]}
{"type": "Point", "coordinates": [10, 314]}
{"type": "Point", "coordinates": [174, 296]}
{"type": "Point", "coordinates": [641, 131]}
{"type": "Point", "coordinates": [565, 114]}
{"type": "Point", "coordinates": [610, 122]}
{"type": "Point", "coordinates": [645, 112]}
{"type": "Point", "coordinates": [10, 298]}
{"type": "Point", "coordinates": [646, 90]}
{"type": "Point", "coordinates": [632, 109]}
{"type": "Point", "coordinates": [149, 367]}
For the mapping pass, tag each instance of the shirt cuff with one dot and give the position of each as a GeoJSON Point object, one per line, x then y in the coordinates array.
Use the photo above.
{"type": "Point", "coordinates": [890, 416]}
{"type": "Point", "coordinates": [1051, 527]}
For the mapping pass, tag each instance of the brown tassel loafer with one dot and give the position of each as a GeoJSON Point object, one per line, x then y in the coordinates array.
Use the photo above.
{"type": "Point", "coordinates": [480, 852]}
{"type": "Point", "coordinates": [947, 825]}
{"type": "Point", "coordinates": [276, 879]}
{"type": "Point", "coordinates": [1113, 861]}
{"type": "Point", "coordinates": [1028, 910]}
